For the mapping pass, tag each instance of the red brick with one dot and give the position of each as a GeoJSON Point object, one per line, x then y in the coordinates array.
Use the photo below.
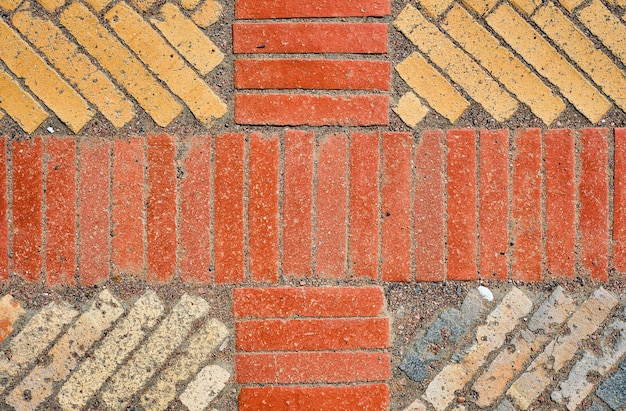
{"type": "Point", "coordinates": [462, 205]}
{"type": "Point", "coordinates": [279, 9]}
{"type": "Point", "coordinates": [312, 110]}
{"type": "Point", "coordinates": [372, 366]}
{"type": "Point", "coordinates": [332, 206]}
{"type": "Point", "coordinates": [229, 208]}
{"type": "Point", "coordinates": [195, 210]}
{"type": "Point", "coordinates": [60, 211]}
{"type": "Point", "coordinates": [263, 208]}
{"type": "Point", "coordinates": [128, 206]}
{"type": "Point", "coordinates": [560, 202]}
{"type": "Point", "coordinates": [308, 302]}
{"type": "Point", "coordinates": [257, 367]}
{"type": "Point", "coordinates": [429, 207]}
{"type": "Point", "coordinates": [494, 204]}
{"type": "Point", "coordinates": [298, 203]}
{"type": "Point", "coordinates": [28, 208]}
{"type": "Point", "coordinates": [619, 201]}
{"type": "Point", "coordinates": [161, 208]}
{"type": "Point", "coordinates": [312, 74]}
{"type": "Point", "coordinates": [373, 397]}
{"type": "Point", "coordinates": [396, 206]}
{"type": "Point", "coordinates": [361, 38]}
{"type": "Point", "coordinates": [364, 214]}
{"type": "Point", "coordinates": [593, 192]}
{"type": "Point", "coordinates": [312, 334]}
{"type": "Point", "coordinates": [4, 208]}
{"type": "Point", "coordinates": [526, 213]}
{"type": "Point", "coordinates": [94, 203]}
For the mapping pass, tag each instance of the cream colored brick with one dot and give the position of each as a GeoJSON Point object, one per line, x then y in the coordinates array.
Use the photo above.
{"type": "Point", "coordinates": [548, 62]}
{"type": "Point", "coordinates": [10, 311]}
{"type": "Point", "coordinates": [410, 109]}
{"type": "Point", "coordinates": [44, 82]}
{"type": "Point", "coordinates": [52, 5]}
{"type": "Point", "coordinates": [117, 60]}
{"type": "Point", "coordinates": [434, 8]}
{"type": "Point", "coordinates": [503, 65]}
{"type": "Point", "coordinates": [570, 4]}
{"type": "Point", "coordinates": [207, 13]}
{"type": "Point", "coordinates": [204, 388]}
{"type": "Point", "coordinates": [480, 7]}
{"type": "Point", "coordinates": [165, 62]}
{"type": "Point", "coordinates": [526, 6]}
{"type": "Point", "coordinates": [604, 25]}
{"type": "Point", "coordinates": [187, 38]}
{"type": "Point", "coordinates": [426, 81]}
{"type": "Point", "coordinates": [20, 105]}
{"type": "Point", "coordinates": [74, 66]}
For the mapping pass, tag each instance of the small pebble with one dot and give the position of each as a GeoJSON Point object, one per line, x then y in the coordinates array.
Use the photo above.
{"type": "Point", "coordinates": [460, 399]}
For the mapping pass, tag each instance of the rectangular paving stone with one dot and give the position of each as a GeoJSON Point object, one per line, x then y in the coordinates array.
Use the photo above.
{"type": "Point", "coordinates": [434, 8]}
{"type": "Point", "coordinates": [480, 7]}
{"type": "Point", "coordinates": [619, 200]}
{"type": "Point", "coordinates": [204, 388]}
{"type": "Point", "coordinates": [606, 26]}
{"type": "Point", "coordinates": [410, 109]}
{"type": "Point", "coordinates": [526, 6]}
{"type": "Point", "coordinates": [207, 13]}
{"type": "Point", "coordinates": [20, 105]}
{"type": "Point", "coordinates": [280, 9]}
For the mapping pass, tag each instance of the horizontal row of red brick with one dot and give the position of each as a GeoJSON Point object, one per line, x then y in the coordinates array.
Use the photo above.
{"type": "Point", "coordinates": [251, 208]}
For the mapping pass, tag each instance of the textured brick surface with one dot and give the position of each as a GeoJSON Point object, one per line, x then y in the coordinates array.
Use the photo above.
{"type": "Point", "coordinates": [266, 9]}
{"type": "Point", "coordinates": [619, 201]}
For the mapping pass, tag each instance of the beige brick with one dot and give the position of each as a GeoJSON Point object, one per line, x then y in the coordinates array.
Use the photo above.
{"type": "Point", "coordinates": [204, 388]}
{"type": "Point", "coordinates": [584, 322]}
{"type": "Point", "coordinates": [51, 5]}
{"type": "Point", "coordinates": [503, 65]}
{"type": "Point", "coordinates": [604, 25]}
{"type": "Point", "coordinates": [426, 81]}
{"type": "Point", "coordinates": [410, 109]}
{"type": "Point", "coordinates": [526, 6]}
{"type": "Point", "coordinates": [480, 7]}
{"type": "Point", "coordinates": [66, 353]}
{"type": "Point", "coordinates": [9, 5]}
{"type": "Point", "coordinates": [489, 337]}
{"type": "Point", "coordinates": [74, 66]}
{"type": "Point", "coordinates": [117, 60]}
{"type": "Point", "coordinates": [42, 80]}
{"type": "Point", "coordinates": [165, 62]}
{"type": "Point", "coordinates": [143, 5]}
{"type": "Point", "coordinates": [187, 38]}
{"type": "Point", "coordinates": [112, 352]}
{"type": "Point", "coordinates": [548, 62]}
{"type": "Point", "coordinates": [434, 8]}
{"type": "Point", "coordinates": [189, 4]}
{"type": "Point", "coordinates": [20, 105]}
{"type": "Point", "coordinates": [570, 4]}
{"type": "Point", "coordinates": [10, 311]}
{"type": "Point", "coordinates": [207, 13]}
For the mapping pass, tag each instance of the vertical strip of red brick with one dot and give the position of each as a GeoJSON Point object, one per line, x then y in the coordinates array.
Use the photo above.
{"type": "Point", "coordinates": [229, 208]}
{"type": "Point", "coordinates": [526, 213]}
{"type": "Point", "coordinates": [494, 204]}
{"type": "Point", "coordinates": [332, 206]}
{"type": "Point", "coordinates": [263, 208]}
{"type": "Point", "coordinates": [161, 208]}
{"type": "Point", "coordinates": [195, 209]}
{"type": "Point", "coordinates": [429, 207]}
{"type": "Point", "coordinates": [462, 205]}
{"type": "Point", "coordinates": [593, 192]}
{"type": "Point", "coordinates": [128, 206]}
{"type": "Point", "coordinates": [4, 211]}
{"type": "Point", "coordinates": [396, 207]}
{"type": "Point", "coordinates": [28, 208]}
{"type": "Point", "coordinates": [364, 214]}
{"type": "Point", "coordinates": [60, 211]}
{"type": "Point", "coordinates": [94, 202]}
{"type": "Point", "coordinates": [560, 202]}
{"type": "Point", "coordinates": [298, 203]}
{"type": "Point", "coordinates": [619, 201]}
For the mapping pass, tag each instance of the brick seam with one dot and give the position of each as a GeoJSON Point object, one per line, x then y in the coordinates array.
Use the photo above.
{"type": "Point", "coordinates": [281, 204]}
{"type": "Point", "coordinates": [379, 213]}
{"type": "Point", "coordinates": [315, 170]}
{"type": "Point", "coordinates": [247, 274]}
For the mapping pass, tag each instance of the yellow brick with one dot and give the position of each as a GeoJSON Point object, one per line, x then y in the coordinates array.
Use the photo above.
{"type": "Point", "coordinates": [207, 13]}
{"type": "Point", "coordinates": [20, 105]}
{"type": "Point", "coordinates": [98, 5]}
{"type": "Point", "coordinates": [481, 7]}
{"type": "Point", "coordinates": [143, 5]}
{"type": "Point", "coordinates": [44, 82]}
{"type": "Point", "coordinates": [410, 109]}
{"type": "Point", "coordinates": [584, 53]}
{"type": "Point", "coordinates": [434, 8]}
{"type": "Point", "coordinates": [432, 87]}
{"type": "Point", "coordinates": [548, 62]}
{"type": "Point", "coordinates": [189, 4]}
{"type": "Point", "coordinates": [570, 4]}
{"type": "Point", "coordinates": [604, 25]}
{"type": "Point", "coordinates": [75, 66]}
{"type": "Point", "coordinates": [9, 5]}
{"type": "Point", "coordinates": [502, 64]}
{"type": "Point", "coordinates": [188, 39]}
{"type": "Point", "coordinates": [124, 67]}
{"type": "Point", "coordinates": [459, 66]}
{"type": "Point", "coordinates": [526, 6]}
{"type": "Point", "coordinates": [165, 62]}
{"type": "Point", "coordinates": [51, 5]}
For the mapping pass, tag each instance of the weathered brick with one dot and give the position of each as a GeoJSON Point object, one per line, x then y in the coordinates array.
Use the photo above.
{"type": "Point", "coordinates": [355, 397]}
{"type": "Point", "coordinates": [279, 9]}
{"type": "Point", "coordinates": [209, 382]}
{"type": "Point", "coordinates": [312, 334]}
{"type": "Point", "coordinates": [312, 74]}
{"type": "Point", "coordinates": [312, 110]}
{"type": "Point", "coordinates": [20, 105]}
{"type": "Point", "coordinates": [10, 312]}
{"type": "Point", "coordinates": [195, 212]}
{"type": "Point", "coordinates": [396, 206]}
{"type": "Point", "coordinates": [494, 204]}
{"type": "Point", "coordinates": [229, 208]}
{"type": "Point", "coordinates": [526, 213]}
{"type": "Point", "coordinates": [428, 207]}
{"type": "Point", "coordinates": [207, 13]}
{"type": "Point", "coordinates": [27, 208]}
{"type": "Point", "coordinates": [60, 211]}
{"type": "Point", "coordinates": [263, 208]}
{"type": "Point", "coordinates": [461, 204]}
{"type": "Point", "coordinates": [161, 208]}
{"type": "Point", "coordinates": [613, 390]}
{"type": "Point", "coordinates": [364, 202]}
{"type": "Point", "coordinates": [298, 203]}
{"type": "Point", "coordinates": [128, 206]}
{"type": "Point", "coordinates": [619, 201]}
{"type": "Point", "coordinates": [560, 202]}
{"type": "Point", "coordinates": [361, 38]}
{"type": "Point", "coordinates": [4, 211]}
